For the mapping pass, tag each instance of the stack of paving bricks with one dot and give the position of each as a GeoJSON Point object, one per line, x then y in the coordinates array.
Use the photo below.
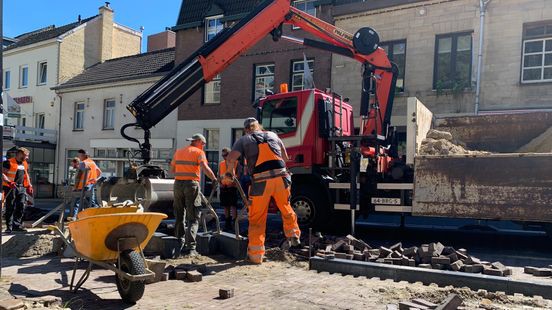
{"type": "Point", "coordinates": [430, 256]}
{"type": "Point", "coordinates": [539, 272]}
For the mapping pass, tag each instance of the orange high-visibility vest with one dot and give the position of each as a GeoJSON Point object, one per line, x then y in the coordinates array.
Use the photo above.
{"type": "Point", "coordinates": [267, 159]}
{"type": "Point", "coordinates": [13, 172]}
{"type": "Point", "coordinates": [226, 181]}
{"type": "Point", "coordinates": [92, 174]}
{"type": "Point", "coordinates": [186, 163]}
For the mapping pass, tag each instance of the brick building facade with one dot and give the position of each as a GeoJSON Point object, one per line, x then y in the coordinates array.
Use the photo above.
{"type": "Point", "coordinates": [441, 37]}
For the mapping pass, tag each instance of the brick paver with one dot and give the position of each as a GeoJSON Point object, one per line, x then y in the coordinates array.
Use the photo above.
{"type": "Point", "coordinates": [274, 285]}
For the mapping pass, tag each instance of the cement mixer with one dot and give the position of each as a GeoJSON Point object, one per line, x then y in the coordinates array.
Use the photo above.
{"type": "Point", "coordinates": [147, 185]}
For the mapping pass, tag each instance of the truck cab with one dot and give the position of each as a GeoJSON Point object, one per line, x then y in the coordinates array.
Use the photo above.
{"type": "Point", "coordinates": [304, 120]}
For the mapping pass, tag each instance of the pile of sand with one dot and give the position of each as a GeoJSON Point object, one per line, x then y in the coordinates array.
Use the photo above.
{"type": "Point", "coordinates": [32, 244]}
{"type": "Point", "coordinates": [443, 143]}
{"type": "Point", "coordinates": [541, 144]}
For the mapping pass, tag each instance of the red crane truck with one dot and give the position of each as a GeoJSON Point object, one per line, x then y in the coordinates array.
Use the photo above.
{"type": "Point", "coordinates": [334, 169]}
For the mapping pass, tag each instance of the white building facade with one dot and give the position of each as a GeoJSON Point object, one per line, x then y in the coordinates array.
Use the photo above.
{"type": "Point", "coordinates": [93, 110]}
{"type": "Point", "coordinates": [42, 59]}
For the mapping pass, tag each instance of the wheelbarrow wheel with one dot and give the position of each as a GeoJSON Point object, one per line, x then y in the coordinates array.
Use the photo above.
{"type": "Point", "coordinates": [131, 263]}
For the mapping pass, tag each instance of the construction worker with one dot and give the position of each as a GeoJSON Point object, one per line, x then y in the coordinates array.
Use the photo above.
{"type": "Point", "coordinates": [265, 155]}
{"type": "Point", "coordinates": [187, 164]}
{"type": "Point", "coordinates": [88, 169]}
{"type": "Point", "coordinates": [75, 164]}
{"type": "Point", "coordinates": [228, 192]}
{"type": "Point", "coordinates": [16, 183]}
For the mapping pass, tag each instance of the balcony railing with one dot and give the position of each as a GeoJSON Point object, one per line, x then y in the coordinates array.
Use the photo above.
{"type": "Point", "coordinates": [22, 133]}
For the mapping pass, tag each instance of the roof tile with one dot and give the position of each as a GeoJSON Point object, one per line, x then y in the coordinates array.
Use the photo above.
{"type": "Point", "coordinates": [125, 68]}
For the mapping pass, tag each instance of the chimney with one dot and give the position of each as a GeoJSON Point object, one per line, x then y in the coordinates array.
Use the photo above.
{"type": "Point", "coordinates": [106, 32]}
{"type": "Point", "coordinates": [161, 40]}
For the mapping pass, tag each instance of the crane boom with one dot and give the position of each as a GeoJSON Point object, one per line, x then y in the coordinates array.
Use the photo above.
{"type": "Point", "coordinates": [202, 66]}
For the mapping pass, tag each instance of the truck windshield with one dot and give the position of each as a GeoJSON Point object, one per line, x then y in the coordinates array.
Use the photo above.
{"type": "Point", "coordinates": [280, 115]}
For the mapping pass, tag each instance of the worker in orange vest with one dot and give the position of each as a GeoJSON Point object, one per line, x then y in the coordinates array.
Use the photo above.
{"type": "Point", "coordinates": [88, 169]}
{"type": "Point", "coordinates": [228, 192]}
{"type": "Point", "coordinates": [266, 155]}
{"type": "Point", "coordinates": [186, 165]}
{"type": "Point", "coordinates": [15, 184]}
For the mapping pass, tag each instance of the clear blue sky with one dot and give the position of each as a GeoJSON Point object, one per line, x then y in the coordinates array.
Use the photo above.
{"type": "Point", "coordinates": [22, 16]}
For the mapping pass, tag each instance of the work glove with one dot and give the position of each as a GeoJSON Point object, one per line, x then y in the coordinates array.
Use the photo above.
{"type": "Point", "coordinates": [30, 190]}
{"type": "Point", "coordinates": [12, 185]}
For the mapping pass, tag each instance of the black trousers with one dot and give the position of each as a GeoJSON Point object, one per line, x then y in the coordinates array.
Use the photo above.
{"type": "Point", "coordinates": [15, 206]}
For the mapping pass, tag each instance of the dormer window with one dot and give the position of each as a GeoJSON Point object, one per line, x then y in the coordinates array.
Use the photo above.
{"type": "Point", "coordinates": [213, 25]}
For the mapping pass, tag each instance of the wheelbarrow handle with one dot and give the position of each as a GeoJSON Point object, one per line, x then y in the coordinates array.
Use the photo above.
{"type": "Point", "coordinates": [245, 204]}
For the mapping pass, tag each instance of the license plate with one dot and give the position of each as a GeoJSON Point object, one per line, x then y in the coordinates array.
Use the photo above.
{"type": "Point", "coordinates": [386, 201]}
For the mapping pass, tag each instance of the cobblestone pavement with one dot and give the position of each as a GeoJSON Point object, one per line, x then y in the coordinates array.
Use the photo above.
{"type": "Point", "coordinates": [274, 285]}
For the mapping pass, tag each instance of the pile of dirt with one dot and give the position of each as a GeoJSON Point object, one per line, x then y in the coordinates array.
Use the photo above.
{"type": "Point", "coordinates": [32, 244]}
{"type": "Point", "coordinates": [540, 144]}
{"type": "Point", "coordinates": [443, 143]}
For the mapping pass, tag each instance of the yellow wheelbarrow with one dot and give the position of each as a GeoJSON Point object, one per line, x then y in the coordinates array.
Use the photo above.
{"type": "Point", "coordinates": [113, 238]}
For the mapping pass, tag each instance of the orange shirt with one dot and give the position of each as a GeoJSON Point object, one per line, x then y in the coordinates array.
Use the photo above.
{"type": "Point", "coordinates": [225, 181]}
{"type": "Point", "coordinates": [186, 163]}
{"type": "Point", "coordinates": [92, 168]}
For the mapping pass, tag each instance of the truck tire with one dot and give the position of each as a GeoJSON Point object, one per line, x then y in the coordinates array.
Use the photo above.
{"type": "Point", "coordinates": [314, 210]}
{"type": "Point", "coordinates": [307, 205]}
{"type": "Point", "coordinates": [132, 263]}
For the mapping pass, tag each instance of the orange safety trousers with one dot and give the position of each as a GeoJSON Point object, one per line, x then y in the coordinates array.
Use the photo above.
{"type": "Point", "coordinates": [275, 188]}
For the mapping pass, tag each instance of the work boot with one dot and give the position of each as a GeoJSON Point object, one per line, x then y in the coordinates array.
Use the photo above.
{"type": "Point", "coordinates": [19, 229]}
{"type": "Point", "coordinates": [192, 253]}
{"type": "Point", "coordinates": [294, 241]}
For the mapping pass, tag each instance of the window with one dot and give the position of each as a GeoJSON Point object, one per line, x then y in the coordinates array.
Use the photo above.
{"type": "Point", "coordinates": [237, 133]}
{"type": "Point", "coordinates": [78, 122]}
{"type": "Point", "coordinates": [280, 115]}
{"type": "Point", "coordinates": [39, 122]}
{"type": "Point", "coordinates": [264, 80]}
{"type": "Point", "coordinates": [42, 73]}
{"type": "Point", "coordinates": [537, 53]}
{"type": "Point", "coordinates": [40, 118]}
{"type": "Point", "coordinates": [306, 6]}
{"type": "Point", "coordinates": [297, 76]}
{"type": "Point", "coordinates": [212, 153]}
{"type": "Point", "coordinates": [24, 76]}
{"type": "Point", "coordinates": [396, 51]}
{"type": "Point", "coordinates": [7, 79]}
{"type": "Point", "coordinates": [211, 91]}
{"type": "Point", "coordinates": [213, 25]}
{"type": "Point", "coordinates": [109, 114]}
{"type": "Point", "coordinates": [453, 60]}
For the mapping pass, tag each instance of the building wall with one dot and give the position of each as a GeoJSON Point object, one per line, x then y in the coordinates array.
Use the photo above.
{"type": "Point", "coordinates": [93, 134]}
{"type": "Point", "coordinates": [79, 50]}
{"type": "Point", "coordinates": [43, 99]}
{"type": "Point", "coordinates": [420, 22]}
{"type": "Point", "coordinates": [125, 42]}
{"type": "Point", "coordinates": [162, 40]}
{"type": "Point", "coordinates": [406, 22]}
{"type": "Point", "coordinates": [501, 86]}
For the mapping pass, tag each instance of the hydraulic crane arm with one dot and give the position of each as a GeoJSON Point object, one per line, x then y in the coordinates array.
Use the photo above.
{"type": "Point", "coordinates": [212, 58]}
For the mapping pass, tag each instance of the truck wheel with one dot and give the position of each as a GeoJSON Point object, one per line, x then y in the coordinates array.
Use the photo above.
{"type": "Point", "coordinates": [314, 210]}
{"type": "Point", "coordinates": [306, 205]}
{"type": "Point", "coordinates": [132, 263]}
